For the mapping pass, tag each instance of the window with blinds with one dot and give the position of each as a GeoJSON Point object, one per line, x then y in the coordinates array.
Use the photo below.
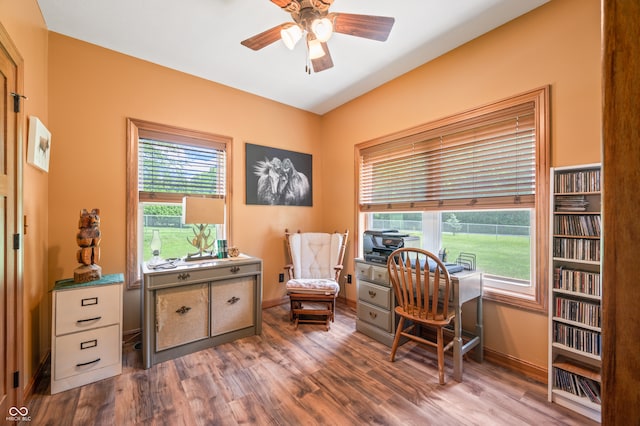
{"type": "Point", "coordinates": [178, 168]}
{"type": "Point", "coordinates": [165, 164]}
{"type": "Point", "coordinates": [489, 165]}
{"type": "Point", "coordinates": [485, 160]}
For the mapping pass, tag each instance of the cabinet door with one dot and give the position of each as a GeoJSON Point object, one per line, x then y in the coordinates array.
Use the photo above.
{"type": "Point", "coordinates": [182, 315]}
{"type": "Point", "coordinates": [233, 305]}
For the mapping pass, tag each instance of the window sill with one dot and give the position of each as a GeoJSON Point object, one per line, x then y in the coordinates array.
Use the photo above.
{"type": "Point", "coordinates": [535, 303]}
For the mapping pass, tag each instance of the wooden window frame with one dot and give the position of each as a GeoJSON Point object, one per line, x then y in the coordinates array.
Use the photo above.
{"type": "Point", "coordinates": [136, 128]}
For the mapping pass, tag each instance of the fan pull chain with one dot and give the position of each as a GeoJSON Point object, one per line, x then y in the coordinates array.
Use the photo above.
{"type": "Point", "coordinates": [307, 65]}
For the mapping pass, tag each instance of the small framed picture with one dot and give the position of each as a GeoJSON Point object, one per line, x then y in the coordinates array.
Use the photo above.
{"type": "Point", "coordinates": [39, 144]}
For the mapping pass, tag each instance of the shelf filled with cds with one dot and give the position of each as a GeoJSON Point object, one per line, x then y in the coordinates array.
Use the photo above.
{"type": "Point", "coordinates": [575, 309]}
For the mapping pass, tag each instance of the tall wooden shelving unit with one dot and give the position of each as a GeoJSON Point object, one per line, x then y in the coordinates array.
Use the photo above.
{"type": "Point", "coordinates": [575, 296]}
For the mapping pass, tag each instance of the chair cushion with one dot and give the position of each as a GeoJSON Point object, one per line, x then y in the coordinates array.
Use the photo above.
{"type": "Point", "coordinates": [314, 254]}
{"type": "Point", "coordinates": [313, 286]}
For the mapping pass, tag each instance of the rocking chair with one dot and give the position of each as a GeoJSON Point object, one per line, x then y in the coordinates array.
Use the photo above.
{"type": "Point", "coordinates": [316, 263]}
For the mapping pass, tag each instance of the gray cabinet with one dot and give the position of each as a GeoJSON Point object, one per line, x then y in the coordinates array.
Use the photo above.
{"type": "Point", "coordinates": [198, 305]}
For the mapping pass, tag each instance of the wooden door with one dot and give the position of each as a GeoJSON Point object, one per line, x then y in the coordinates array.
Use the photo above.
{"type": "Point", "coordinates": [10, 214]}
{"type": "Point", "coordinates": [621, 227]}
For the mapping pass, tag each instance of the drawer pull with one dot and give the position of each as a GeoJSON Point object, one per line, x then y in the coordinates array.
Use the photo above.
{"type": "Point", "coordinates": [89, 344]}
{"type": "Point", "coordinates": [235, 269]}
{"type": "Point", "coordinates": [89, 301]}
{"type": "Point", "coordinates": [233, 300]}
{"type": "Point", "coordinates": [183, 310]}
{"type": "Point", "coordinates": [373, 315]}
{"type": "Point", "coordinates": [372, 293]}
{"type": "Point", "coordinates": [184, 276]}
{"type": "Point", "coordinates": [89, 319]}
{"type": "Point", "coordinates": [82, 364]}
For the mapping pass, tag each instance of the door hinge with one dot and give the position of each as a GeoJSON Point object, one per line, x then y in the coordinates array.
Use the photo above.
{"type": "Point", "coordinates": [16, 101]}
{"type": "Point", "coordinates": [16, 379]}
{"type": "Point", "coordinates": [16, 241]}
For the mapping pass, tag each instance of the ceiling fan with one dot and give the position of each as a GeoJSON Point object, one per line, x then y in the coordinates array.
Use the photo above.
{"type": "Point", "coordinates": [313, 20]}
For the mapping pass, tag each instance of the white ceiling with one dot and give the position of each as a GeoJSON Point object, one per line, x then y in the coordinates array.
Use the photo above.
{"type": "Point", "coordinates": [202, 38]}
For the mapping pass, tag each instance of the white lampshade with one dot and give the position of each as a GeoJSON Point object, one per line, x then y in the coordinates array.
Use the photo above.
{"type": "Point", "coordinates": [315, 49]}
{"type": "Point", "coordinates": [200, 210]}
{"type": "Point", "coordinates": [322, 29]}
{"type": "Point", "coordinates": [290, 35]}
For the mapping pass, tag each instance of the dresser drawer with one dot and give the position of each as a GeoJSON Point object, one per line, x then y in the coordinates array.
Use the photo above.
{"type": "Point", "coordinates": [86, 351]}
{"type": "Point", "coordinates": [366, 271]}
{"type": "Point", "coordinates": [380, 274]}
{"type": "Point", "coordinates": [233, 305]}
{"type": "Point", "coordinates": [374, 315]}
{"type": "Point", "coordinates": [363, 271]}
{"type": "Point", "coordinates": [194, 275]}
{"type": "Point", "coordinates": [374, 294]}
{"type": "Point", "coordinates": [182, 315]}
{"type": "Point", "coordinates": [85, 308]}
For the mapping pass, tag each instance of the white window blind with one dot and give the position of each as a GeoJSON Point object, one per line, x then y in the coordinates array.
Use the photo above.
{"type": "Point", "coordinates": [485, 161]}
{"type": "Point", "coordinates": [180, 168]}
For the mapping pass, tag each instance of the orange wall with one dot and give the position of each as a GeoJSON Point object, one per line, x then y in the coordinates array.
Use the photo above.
{"type": "Point", "coordinates": [24, 24]}
{"type": "Point", "coordinates": [556, 44]}
{"type": "Point", "coordinates": [84, 93]}
{"type": "Point", "coordinates": [92, 92]}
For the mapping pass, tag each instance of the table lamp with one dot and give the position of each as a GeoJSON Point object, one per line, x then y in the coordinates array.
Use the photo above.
{"type": "Point", "coordinates": [202, 212]}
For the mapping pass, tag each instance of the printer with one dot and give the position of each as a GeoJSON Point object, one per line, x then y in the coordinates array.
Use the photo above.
{"type": "Point", "coordinates": [379, 244]}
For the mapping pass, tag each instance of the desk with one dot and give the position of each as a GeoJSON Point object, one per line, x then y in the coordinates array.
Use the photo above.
{"type": "Point", "coordinates": [377, 319]}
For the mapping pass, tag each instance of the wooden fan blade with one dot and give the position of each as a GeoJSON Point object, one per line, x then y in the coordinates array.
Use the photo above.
{"type": "Point", "coordinates": [281, 3]}
{"type": "Point", "coordinates": [263, 39]}
{"type": "Point", "coordinates": [322, 4]}
{"type": "Point", "coordinates": [367, 26]}
{"type": "Point", "coordinates": [323, 63]}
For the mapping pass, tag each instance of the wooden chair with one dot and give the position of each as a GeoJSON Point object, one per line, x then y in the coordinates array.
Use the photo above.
{"type": "Point", "coordinates": [422, 287]}
{"type": "Point", "coordinates": [314, 271]}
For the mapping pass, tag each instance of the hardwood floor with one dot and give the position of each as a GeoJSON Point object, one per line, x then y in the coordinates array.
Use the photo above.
{"type": "Point", "coordinates": [301, 377]}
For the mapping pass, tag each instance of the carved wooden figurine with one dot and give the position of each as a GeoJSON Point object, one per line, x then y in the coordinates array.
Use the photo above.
{"type": "Point", "coordinates": [88, 239]}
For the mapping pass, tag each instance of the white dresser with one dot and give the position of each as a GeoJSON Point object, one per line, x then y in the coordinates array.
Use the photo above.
{"type": "Point", "coordinates": [86, 335]}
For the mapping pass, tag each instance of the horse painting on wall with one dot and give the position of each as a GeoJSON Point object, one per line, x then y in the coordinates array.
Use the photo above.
{"type": "Point", "coordinates": [278, 177]}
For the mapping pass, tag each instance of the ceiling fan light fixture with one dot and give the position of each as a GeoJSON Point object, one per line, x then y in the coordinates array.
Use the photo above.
{"type": "Point", "coordinates": [322, 28]}
{"type": "Point", "coordinates": [290, 35]}
{"type": "Point", "coordinates": [315, 49]}
{"type": "Point", "coordinates": [312, 20]}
